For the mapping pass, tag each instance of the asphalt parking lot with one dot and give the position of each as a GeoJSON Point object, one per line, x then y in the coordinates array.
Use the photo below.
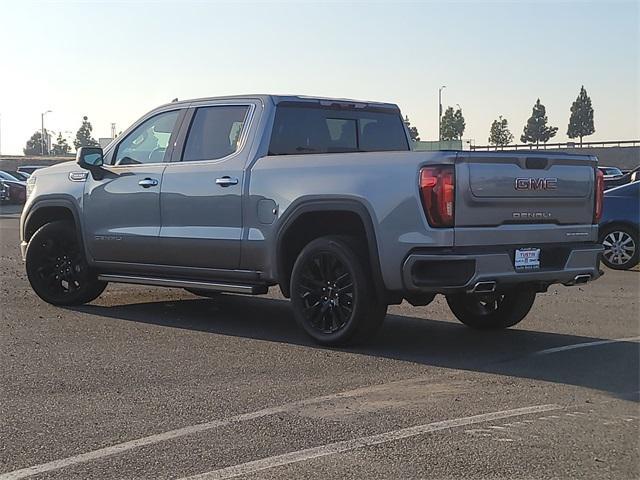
{"type": "Point", "coordinates": [152, 383]}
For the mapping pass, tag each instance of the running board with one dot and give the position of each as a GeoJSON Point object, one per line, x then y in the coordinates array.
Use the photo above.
{"type": "Point", "coordinates": [193, 284]}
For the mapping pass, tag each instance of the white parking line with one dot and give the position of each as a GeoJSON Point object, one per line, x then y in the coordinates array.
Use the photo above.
{"type": "Point", "coordinates": [190, 430]}
{"type": "Point", "coordinates": [585, 345]}
{"type": "Point", "coordinates": [361, 442]}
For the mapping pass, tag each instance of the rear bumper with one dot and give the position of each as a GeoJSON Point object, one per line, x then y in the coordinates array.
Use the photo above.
{"type": "Point", "coordinates": [462, 270]}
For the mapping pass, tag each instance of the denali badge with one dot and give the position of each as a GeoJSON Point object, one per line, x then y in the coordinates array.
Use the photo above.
{"type": "Point", "coordinates": [531, 215]}
{"type": "Point", "coordinates": [536, 183]}
{"type": "Point", "coordinates": [78, 176]}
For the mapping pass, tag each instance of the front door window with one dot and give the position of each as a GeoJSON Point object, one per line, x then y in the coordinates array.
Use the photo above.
{"type": "Point", "coordinates": [148, 142]}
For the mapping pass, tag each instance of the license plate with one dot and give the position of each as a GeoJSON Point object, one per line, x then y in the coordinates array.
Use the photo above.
{"type": "Point", "coordinates": [527, 259]}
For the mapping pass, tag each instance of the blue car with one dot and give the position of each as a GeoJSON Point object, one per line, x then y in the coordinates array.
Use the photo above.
{"type": "Point", "coordinates": [619, 226]}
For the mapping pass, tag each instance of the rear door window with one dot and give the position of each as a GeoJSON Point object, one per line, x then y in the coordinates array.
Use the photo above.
{"type": "Point", "coordinates": [215, 132]}
{"type": "Point", "coordinates": [315, 129]}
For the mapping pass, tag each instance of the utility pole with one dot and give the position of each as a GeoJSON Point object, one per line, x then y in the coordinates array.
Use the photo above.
{"type": "Point", "coordinates": [42, 138]}
{"type": "Point", "coordinates": [440, 111]}
{"type": "Point", "coordinates": [113, 131]}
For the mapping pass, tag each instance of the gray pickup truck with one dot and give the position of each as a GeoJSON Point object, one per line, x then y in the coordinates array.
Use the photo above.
{"type": "Point", "coordinates": [324, 198]}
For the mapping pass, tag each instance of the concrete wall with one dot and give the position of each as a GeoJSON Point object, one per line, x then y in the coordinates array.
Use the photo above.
{"type": "Point", "coordinates": [625, 158]}
{"type": "Point", "coordinates": [13, 162]}
{"type": "Point", "coordinates": [430, 146]}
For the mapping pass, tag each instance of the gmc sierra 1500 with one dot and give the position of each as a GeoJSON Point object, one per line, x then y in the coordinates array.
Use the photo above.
{"type": "Point", "coordinates": [322, 197]}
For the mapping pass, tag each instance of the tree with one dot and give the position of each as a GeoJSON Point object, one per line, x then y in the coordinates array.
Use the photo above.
{"type": "Point", "coordinates": [452, 124]}
{"type": "Point", "coordinates": [61, 147]}
{"type": "Point", "coordinates": [581, 120]}
{"type": "Point", "coordinates": [536, 129]}
{"type": "Point", "coordinates": [34, 145]}
{"type": "Point", "coordinates": [413, 131]}
{"type": "Point", "coordinates": [500, 134]}
{"type": "Point", "coordinates": [83, 135]}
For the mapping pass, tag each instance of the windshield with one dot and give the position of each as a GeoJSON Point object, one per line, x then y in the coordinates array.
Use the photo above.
{"type": "Point", "coordinates": [8, 176]}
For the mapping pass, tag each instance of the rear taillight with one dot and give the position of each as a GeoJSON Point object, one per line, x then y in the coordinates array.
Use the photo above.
{"type": "Point", "coordinates": [597, 208]}
{"type": "Point", "coordinates": [437, 189]}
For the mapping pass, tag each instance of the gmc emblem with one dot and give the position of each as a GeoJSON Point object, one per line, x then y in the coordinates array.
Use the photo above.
{"type": "Point", "coordinates": [536, 183]}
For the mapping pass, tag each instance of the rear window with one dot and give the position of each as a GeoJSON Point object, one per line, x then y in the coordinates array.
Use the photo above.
{"type": "Point", "coordinates": [303, 129]}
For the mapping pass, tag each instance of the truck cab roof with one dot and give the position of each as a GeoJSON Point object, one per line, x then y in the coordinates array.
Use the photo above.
{"type": "Point", "coordinates": [277, 99]}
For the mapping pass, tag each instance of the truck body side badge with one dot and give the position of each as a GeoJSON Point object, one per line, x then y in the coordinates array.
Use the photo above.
{"type": "Point", "coordinates": [78, 176]}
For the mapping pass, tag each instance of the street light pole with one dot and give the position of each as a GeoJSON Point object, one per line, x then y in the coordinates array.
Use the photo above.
{"type": "Point", "coordinates": [440, 111]}
{"type": "Point", "coordinates": [42, 138]}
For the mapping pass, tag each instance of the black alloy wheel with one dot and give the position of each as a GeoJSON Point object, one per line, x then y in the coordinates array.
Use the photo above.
{"type": "Point", "coordinates": [57, 269]}
{"type": "Point", "coordinates": [326, 288]}
{"type": "Point", "coordinates": [332, 292]}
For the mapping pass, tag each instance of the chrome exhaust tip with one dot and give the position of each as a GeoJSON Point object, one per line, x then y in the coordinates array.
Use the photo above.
{"type": "Point", "coordinates": [484, 287]}
{"type": "Point", "coordinates": [579, 279]}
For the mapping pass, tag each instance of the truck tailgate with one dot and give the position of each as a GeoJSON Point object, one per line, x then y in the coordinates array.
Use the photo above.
{"type": "Point", "coordinates": [514, 198]}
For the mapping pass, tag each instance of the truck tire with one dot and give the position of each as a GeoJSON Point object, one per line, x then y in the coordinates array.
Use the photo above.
{"type": "Point", "coordinates": [492, 311]}
{"type": "Point", "coordinates": [56, 266]}
{"type": "Point", "coordinates": [332, 292]}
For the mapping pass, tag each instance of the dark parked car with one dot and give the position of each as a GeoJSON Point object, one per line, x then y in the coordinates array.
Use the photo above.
{"type": "Point", "coordinates": [630, 176]}
{"type": "Point", "coordinates": [29, 168]}
{"type": "Point", "coordinates": [17, 187]}
{"type": "Point", "coordinates": [22, 176]}
{"type": "Point", "coordinates": [610, 172]}
{"type": "Point", "coordinates": [619, 226]}
{"type": "Point", "coordinates": [4, 191]}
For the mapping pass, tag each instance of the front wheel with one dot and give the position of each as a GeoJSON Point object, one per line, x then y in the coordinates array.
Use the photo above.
{"type": "Point", "coordinates": [332, 294]}
{"type": "Point", "coordinates": [494, 310]}
{"type": "Point", "coordinates": [57, 269]}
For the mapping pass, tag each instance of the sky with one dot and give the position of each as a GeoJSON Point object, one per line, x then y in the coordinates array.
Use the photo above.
{"type": "Point", "coordinates": [114, 61]}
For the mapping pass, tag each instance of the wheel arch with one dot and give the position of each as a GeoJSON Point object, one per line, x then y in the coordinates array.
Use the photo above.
{"type": "Point", "coordinates": [48, 210]}
{"type": "Point", "coordinates": [305, 208]}
{"type": "Point", "coordinates": [616, 224]}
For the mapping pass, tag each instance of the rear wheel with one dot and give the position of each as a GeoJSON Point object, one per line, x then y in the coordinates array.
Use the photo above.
{"type": "Point", "coordinates": [332, 293]}
{"type": "Point", "coordinates": [620, 248]}
{"type": "Point", "coordinates": [492, 311]}
{"type": "Point", "coordinates": [57, 269]}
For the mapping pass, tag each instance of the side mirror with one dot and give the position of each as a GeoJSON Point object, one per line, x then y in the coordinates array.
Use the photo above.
{"type": "Point", "coordinates": [90, 158]}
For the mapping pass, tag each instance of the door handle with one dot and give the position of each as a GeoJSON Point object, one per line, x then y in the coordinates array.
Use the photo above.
{"type": "Point", "coordinates": [226, 181]}
{"type": "Point", "coordinates": [148, 182]}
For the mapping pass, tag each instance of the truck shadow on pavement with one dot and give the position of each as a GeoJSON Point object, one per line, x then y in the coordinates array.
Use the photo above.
{"type": "Point", "coordinates": [612, 368]}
